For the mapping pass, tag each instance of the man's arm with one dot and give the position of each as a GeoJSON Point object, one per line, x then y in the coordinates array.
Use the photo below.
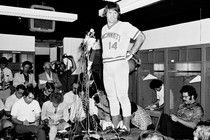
{"type": "Point", "coordinates": [185, 123]}
{"type": "Point", "coordinates": [138, 42]}
{"type": "Point", "coordinates": [16, 121]}
{"type": "Point", "coordinates": [73, 68]}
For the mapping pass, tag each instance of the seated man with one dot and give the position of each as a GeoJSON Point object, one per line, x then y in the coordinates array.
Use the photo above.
{"type": "Point", "coordinates": [158, 87]}
{"type": "Point", "coordinates": [139, 117]}
{"type": "Point", "coordinates": [55, 114]}
{"type": "Point", "coordinates": [20, 89]}
{"type": "Point", "coordinates": [48, 76]}
{"type": "Point", "coordinates": [3, 122]}
{"type": "Point", "coordinates": [102, 104]}
{"type": "Point", "coordinates": [26, 115]}
{"type": "Point", "coordinates": [182, 125]}
{"type": "Point", "coordinates": [74, 103]}
{"type": "Point", "coordinates": [44, 95]}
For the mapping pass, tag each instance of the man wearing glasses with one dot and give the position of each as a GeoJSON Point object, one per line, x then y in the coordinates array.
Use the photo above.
{"type": "Point", "coordinates": [26, 115]}
{"type": "Point", "coordinates": [189, 114]}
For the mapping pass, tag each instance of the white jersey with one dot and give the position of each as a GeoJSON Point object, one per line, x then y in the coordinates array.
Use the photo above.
{"type": "Point", "coordinates": [116, 39]}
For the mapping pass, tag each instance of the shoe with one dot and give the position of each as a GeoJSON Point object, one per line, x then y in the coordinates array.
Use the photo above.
{"type": "Point", "coordinates": [124, 133]}
{"type": "Point", "coordinates": [109, 130]}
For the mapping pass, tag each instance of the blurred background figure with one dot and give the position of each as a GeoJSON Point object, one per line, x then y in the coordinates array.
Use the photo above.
{"type": "Point", "coordinates": [6, 78]}
{"type": "Point", "coordinates": [65, 74]}
{"type": "Point", "coordinates": [48, 76]}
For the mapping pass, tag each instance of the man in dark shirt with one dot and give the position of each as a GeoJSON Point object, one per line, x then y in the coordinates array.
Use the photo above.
{"type": "Point", "coordinates": [189, 114]}
{"type": "Point", "coordinates": [65, 76]}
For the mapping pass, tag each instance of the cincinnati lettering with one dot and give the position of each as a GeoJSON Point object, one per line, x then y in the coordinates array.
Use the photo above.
{"type": "Point", "coordinates": [111, 35]}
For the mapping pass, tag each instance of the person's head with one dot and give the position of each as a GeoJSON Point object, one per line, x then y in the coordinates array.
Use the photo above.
{"type": "Point", "coordinates": [112, 12]}
{"type": "Point", "coordinates": [29, 95]}
{"type": "Point", "coordinates": [62, 67]}
{"type": "Point", "coordinates": [56, 98]}
{"type": "Point", "coordinates": [47, 66]}
{"type": "Point", "coordinates": [156, 84]}
{"type": "Point", "coordinates": [3, 62]}
{"type": "Point", "coordinates": [20, 89]}
{"type": "Point", "coordinates": [202, 131]}
{"type": "Point", "coordinates": [49, 88]}
{"type": "Point", "coordinates": [27, 66]}
{"type": "Point", "coordinates": [151, 135]}
{"type": "Point", "coordinates": [188, 94]}
{"type": "Point", "coordinates": [75, 88]}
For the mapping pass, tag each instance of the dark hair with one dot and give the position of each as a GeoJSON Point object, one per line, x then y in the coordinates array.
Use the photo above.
{"type": "Point", "coordinates": [27, 63]}
{"type": "Point", "coordinates": [150, 134]}
{"type": "Point", "coordinates": [56, 97]}
{"type": "Point", "coordinates": [3, 60]}
{"type": "Point", "coordinates": [29, 90]}
{"type": "Point", "coordinates": [133, 107]}
{"type": "Point", "coordinates": [155, 83]}
{"type": "Point", "coordinates": [50, 85]}
{"type": "Point", "coordinates": [111, 5]}
{"type": "Point", "coordinates": [21, 86]}
{"type": "Point", "coordinates": [190, 90]}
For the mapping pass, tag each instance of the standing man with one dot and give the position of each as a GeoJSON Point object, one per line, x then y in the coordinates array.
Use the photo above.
{"type": "Point", "coordinates": [65, 75]}
{"type": "Point", "coordinates": [116, 38]}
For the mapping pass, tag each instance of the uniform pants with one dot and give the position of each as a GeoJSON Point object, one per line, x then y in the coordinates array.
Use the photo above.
{"type": "Point", "coordinates": [116, 82]}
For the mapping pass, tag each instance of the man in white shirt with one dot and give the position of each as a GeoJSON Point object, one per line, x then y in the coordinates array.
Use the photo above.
{"type": "Point", "coordinates": [13, 99]}
{"type": "Point", "coordinates": [158, 87]}
{"type": "Point", "coordinates": [6, 78]}
{"type": "Point", "coordinates": [26, 115]}
{"type": "Point", "coordinates": [55, 114]}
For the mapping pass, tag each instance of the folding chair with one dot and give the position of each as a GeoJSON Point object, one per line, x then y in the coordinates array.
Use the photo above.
{"type": "Point", "coordinates": [155, 116]}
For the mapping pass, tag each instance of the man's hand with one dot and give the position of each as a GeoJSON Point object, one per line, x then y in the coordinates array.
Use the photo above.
{"type": "Point", "coordinates": [25, 122]}
{"type": "Point", "coordinates": [174, 118]}
{"type": "Point", "coordinates": [129, 55]}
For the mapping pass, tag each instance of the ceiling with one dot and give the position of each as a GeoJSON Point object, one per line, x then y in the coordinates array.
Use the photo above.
{"type": "Point", "coordinates": [164, 13]}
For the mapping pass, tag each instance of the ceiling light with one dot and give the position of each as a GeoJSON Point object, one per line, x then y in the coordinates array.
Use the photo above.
{"type": "Point", "coordinates": [130, 5]}
{"type": "Point", "coordinates": [37, 14]}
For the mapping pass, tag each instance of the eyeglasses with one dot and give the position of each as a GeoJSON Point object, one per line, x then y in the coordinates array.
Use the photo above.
{"type": "Point", "coordinates": [49, 90]}
{"type": "Point", "coordinates": [184, 97]}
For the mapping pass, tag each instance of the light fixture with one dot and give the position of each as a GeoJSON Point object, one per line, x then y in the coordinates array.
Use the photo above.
{"type": "Point", "coordinates": [37, 14]}
{"type": "Point", "coordinates": [130, 5]}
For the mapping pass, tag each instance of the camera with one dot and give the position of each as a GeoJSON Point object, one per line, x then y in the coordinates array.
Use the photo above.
{"type": "Point", "coordinates": [67, 56]}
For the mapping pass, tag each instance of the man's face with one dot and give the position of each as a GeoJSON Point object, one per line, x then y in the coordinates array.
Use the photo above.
{"type": "Point", "coordinates": [29, 98]}
{"type": "Point", "coordinates": [158, 89]}
{"type": "Point", "coordinates": [47, 66]}
{"type": "Point", "coordinates": [112, 16]}
{"type": "Point", "coordinates": [48, 91]}
{"type": "Point", "coordinates": [61, 68]}
{"type": "Point", "coordinates": [2, 66]}
{"type": "Point", "coordinates": [26, 68]}
{"type": "Point", "coordinates": [186, 98]}
{"type": "Point", "coordinates": [75, 88]}
{"type": "Point", "coordinates": [19, 93]}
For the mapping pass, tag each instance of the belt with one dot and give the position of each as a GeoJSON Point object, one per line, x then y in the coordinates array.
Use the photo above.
{"type": "Point", "coordinates": [31, 122]}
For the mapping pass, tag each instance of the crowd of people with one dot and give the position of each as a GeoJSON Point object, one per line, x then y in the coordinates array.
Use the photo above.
{"type": "Point", "coordinates": [55, 103]}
